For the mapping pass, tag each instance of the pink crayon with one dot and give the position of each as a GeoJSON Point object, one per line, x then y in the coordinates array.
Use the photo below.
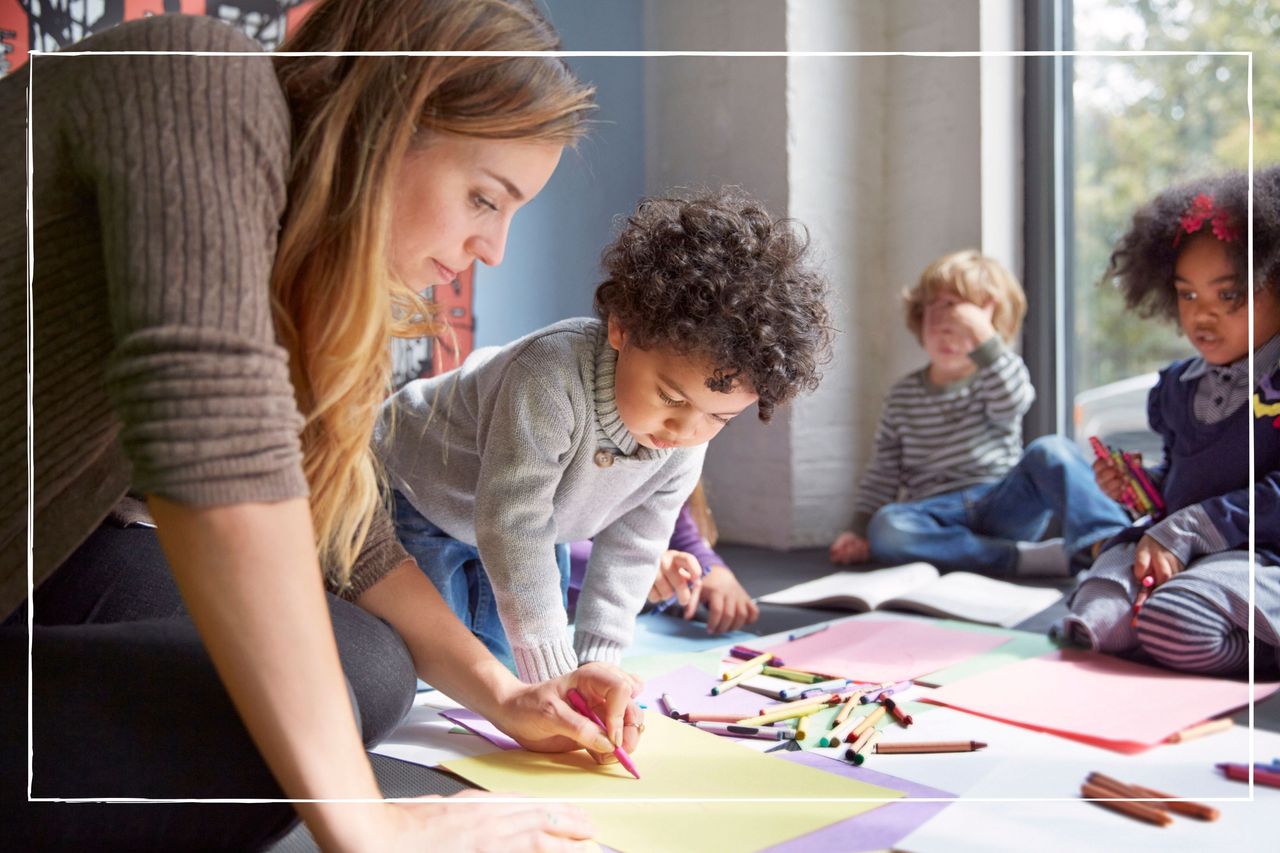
{"type": "Point", "coordinates": [580, 705]}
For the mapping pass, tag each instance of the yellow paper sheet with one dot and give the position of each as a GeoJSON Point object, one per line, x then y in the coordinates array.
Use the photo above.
{"type": "Point", "coordinates": [677, 761]}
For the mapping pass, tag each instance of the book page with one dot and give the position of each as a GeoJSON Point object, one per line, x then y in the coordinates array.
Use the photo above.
{"type": "Point", "coordinates": [856, 590]}
{"type": "Point", "coordinates": [964, 595]}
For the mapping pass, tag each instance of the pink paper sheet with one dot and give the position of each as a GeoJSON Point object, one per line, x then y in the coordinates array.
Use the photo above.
{"type": "Point", "coordinates": [1099, 699]}
{"type": "Point", "coordinates": [884, 649]}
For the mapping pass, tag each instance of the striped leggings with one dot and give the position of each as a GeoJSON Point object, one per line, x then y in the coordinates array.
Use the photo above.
{"type": "Point", "coordinates": [1180, 626]}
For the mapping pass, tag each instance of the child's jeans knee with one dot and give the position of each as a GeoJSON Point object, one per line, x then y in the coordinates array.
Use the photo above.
{"type": "Point", "coordinates": [891, 534]}
{"type": "Point", "coordinates": [1050, 450]}
{"type": "Point", "coordinates": [455, 570]}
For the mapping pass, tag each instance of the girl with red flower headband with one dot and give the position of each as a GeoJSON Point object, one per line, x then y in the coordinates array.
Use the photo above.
{"type": "Point", "coordinates": [1177, 587]}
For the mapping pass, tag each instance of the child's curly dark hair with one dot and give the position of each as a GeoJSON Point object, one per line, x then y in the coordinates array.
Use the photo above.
{"type": "Point", "coordinates": [1142, 264]}
{"type": "Point", "coordinates": [715, 276]}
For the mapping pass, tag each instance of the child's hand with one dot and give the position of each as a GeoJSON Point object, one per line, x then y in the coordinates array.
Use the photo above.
{"type": "Point", "coordinates": [679, 574]}
{"type": "Point", "coordinates": [728, 605]}
{"type": "Point", "coordinates": [975, 320]}
{"type": "Point", "coordinates": [849, 548]}
{"type": "Point", "coordinates": [1107, 474]}
{"type": "Point", "coordinates": [1154, 559]}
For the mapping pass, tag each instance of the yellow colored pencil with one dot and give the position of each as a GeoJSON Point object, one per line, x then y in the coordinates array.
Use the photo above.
{"type": "Point", "coordinates": [730, 683]}
{"type": "Point", "coordinates": [847, 709]}
{"type": "Point", "coordinates": [789, 713]}
{"type": "Point", "coordinates": [758, 661]}
{"type": "Point", "coordinates": [802, 726]}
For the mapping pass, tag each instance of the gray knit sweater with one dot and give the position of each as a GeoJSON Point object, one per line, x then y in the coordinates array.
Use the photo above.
{"type": "Point", "coordinates": [159, 188]}
{"type": "Point", "coordinates": [522, 447]}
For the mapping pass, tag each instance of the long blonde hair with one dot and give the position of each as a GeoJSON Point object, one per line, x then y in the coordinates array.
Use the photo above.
{"type": "Point", "coordinates": [335, 301]}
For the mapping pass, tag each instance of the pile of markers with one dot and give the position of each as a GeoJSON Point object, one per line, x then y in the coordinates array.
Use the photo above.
{"type": "Point", "coordinates": [812, 694]}
{"type": "Point", "coordinates": [1263, 774]}
{"type": "Point", "coordinates": [1141, 497]}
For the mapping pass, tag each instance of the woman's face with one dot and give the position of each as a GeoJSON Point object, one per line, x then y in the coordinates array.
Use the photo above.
{"type": "Point", "coordinates": [454, 200]}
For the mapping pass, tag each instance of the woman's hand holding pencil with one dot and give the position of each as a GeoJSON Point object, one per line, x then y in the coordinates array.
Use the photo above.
{"type": "Point", "coordinates": [542, 719]}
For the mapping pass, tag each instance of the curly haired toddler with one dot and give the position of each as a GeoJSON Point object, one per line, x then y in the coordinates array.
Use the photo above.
{"type": "Point", "coordinates": [1185, 258]}
{"type": "Point", "coordinates": [596, 428]}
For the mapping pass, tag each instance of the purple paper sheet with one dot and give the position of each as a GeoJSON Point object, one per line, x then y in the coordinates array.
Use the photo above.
{"type": "Point", "coordinates": [878, 829]}
{"type": "Point", "coordinates": [690, 690]}
{"type": "Point", "coordinates": [473, 722]}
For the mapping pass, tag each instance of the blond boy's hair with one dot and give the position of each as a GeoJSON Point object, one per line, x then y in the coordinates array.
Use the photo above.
{"type": "Point", "coordinates": [975, 278]}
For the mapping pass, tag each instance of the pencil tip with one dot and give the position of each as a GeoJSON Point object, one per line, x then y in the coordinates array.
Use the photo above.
{"type": "Point", "coordinates": [977, 744]}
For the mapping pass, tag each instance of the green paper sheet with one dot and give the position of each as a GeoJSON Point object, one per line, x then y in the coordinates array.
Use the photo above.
{"type": "Point", "coordinates": [676, 762]}
{"type": "Point", "coordinates": [651, 666]}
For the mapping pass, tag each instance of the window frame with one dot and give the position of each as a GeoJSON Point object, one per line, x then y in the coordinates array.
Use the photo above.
{"type": "Point", "coordinates": [1048, 177]}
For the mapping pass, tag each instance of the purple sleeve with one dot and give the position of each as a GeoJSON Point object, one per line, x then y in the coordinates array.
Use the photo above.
{"type": "Point", "coordinates": [686, 537]}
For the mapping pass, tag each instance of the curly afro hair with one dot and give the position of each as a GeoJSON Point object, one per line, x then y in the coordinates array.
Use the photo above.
{"type": "Point", "coordinates": [1142, 264]}
{"type": "Point", "coordinates": [714, 276]}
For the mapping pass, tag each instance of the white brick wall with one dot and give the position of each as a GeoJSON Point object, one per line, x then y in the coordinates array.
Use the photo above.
{"type": "Point", "coordinates": [879, 156]}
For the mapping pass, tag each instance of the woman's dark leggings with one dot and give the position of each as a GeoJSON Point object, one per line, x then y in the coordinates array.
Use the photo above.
{"type": "Point", "coordinates": [126, 703]}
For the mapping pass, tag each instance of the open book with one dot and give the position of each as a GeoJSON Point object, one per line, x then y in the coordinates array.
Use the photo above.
{"type": "Point", "coordinates": [919, 587]}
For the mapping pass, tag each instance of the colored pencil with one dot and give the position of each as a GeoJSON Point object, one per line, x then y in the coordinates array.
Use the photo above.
{"type": "Point", "coordinates": [731, 683]}
{"type": "Point", "coordinates": [870, 720]}
{"type": "Point", "coordinates": [1106, 798]}
{"type": "Point", "coordinates": [1211, 727]}
{"type": "Point", "coordinates": [1173, 804]}
{"type": "Point", "coordinates": [847, 708]}
{"type": "Point", "coordinates": [580, 705]}
{"type": "Point", "coordinates": [744, 653]}
{"type": "Point", "coordinates": [1240, 773]}
{"type": "Point", "coordinates": [931, 746]}
{"type": "Point", "coordinates": [841, 732]}
{"type": "Point", "coordinates": [756, 663]}
{"type": "Point", "coordinates": [816, 701]}
{"type": "Point", "coordinates": [695, 717]}
{"type": "Point", "coordinates": [758, 732]}
{"type": "Point", "coordinates": [803, 725]}
{"type": "Point", "coordinates": [794, 674]}
{"type": "Point", "coordinates": [804, 691]}
{"type": "Point", "coordinates": [898, 714]}
{"type": "Point", "coordinates": [1148, 581]}
{"type": "Point", "coordinates": [864, 745]}
{"type": "Point", "coordinates": [799, 635]}
{"type": "Point", "coordinates": [783, 714]}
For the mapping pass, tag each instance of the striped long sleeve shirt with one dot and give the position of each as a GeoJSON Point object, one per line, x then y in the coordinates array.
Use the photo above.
{"type": "Point", "coordinates": [933, 439]}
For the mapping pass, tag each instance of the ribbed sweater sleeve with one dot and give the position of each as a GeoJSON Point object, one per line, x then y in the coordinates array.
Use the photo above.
{"type": "Point", "coordinates": [624, 559]}
{"type": "Point", "coordinates": [516, 533]}
{"type": "Point", "coordinates": [1002, 382]}
{"type": "Point", "coordinates": [186, 158]}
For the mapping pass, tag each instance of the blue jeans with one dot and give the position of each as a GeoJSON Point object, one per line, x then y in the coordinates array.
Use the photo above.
{"type": "Point", "coordinates": [976, 528]}
{"type": "Point", "coordinates": [455, 569]}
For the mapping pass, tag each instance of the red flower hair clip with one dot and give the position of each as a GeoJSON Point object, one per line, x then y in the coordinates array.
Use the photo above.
{"type": "Point", "coordinates": [1200, 210]}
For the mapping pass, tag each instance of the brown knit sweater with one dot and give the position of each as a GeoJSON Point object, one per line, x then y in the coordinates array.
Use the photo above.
{"type": "Point", "coordinates": [159, 185]}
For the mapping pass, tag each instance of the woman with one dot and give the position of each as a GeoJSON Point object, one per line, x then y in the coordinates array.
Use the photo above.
{"type": "Point", "coordinates": [219, 244]}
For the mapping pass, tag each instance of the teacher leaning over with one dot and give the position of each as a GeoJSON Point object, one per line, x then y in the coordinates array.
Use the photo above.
{"type": "Point", "coordinates": [220, 247]}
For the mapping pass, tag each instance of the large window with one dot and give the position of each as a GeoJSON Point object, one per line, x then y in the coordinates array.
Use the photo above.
{"type": "Point", "coordinates": [1128, 127]}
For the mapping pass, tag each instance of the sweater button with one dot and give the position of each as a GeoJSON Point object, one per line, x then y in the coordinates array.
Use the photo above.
{"type": "Point", "coordinates": [603, 458]}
